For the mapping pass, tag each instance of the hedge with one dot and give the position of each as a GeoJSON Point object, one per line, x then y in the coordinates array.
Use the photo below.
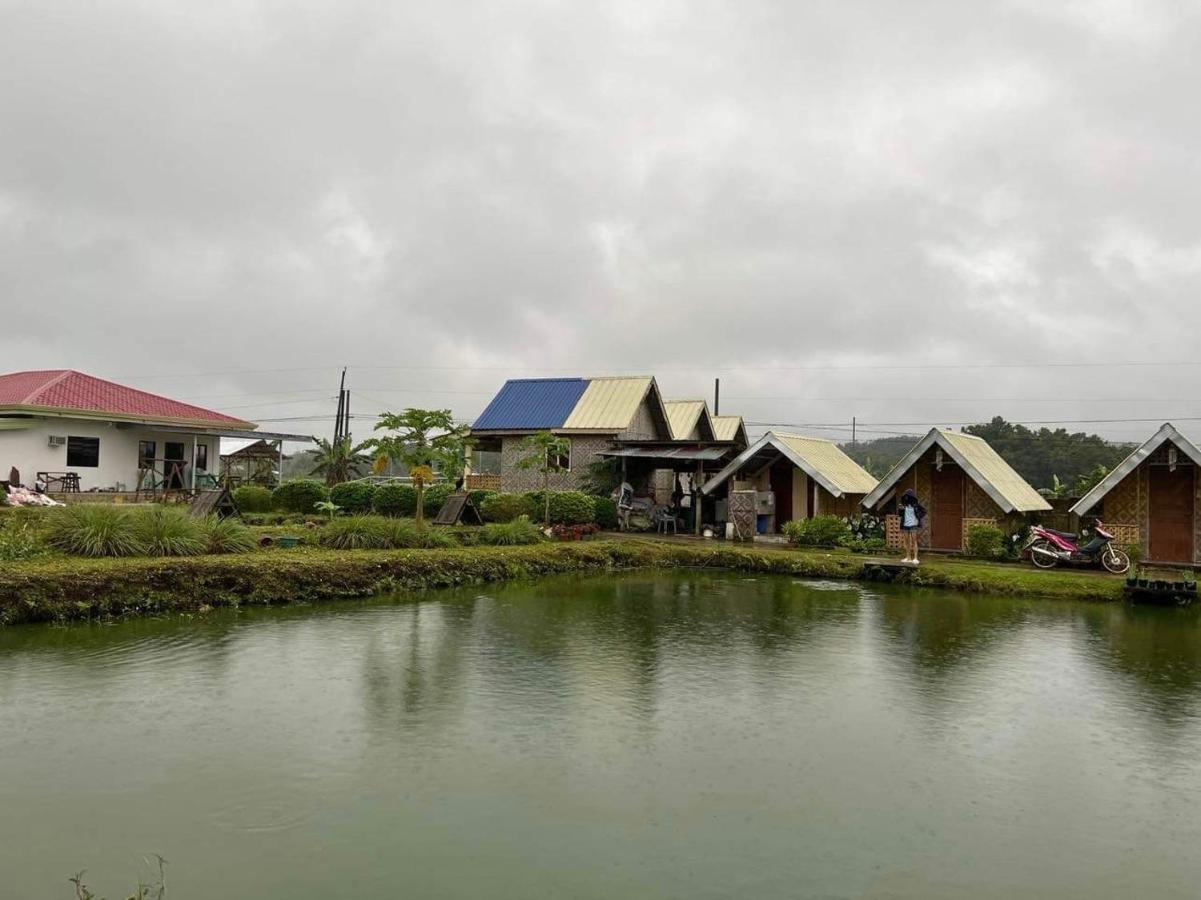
{"type": "Point", "coordinates": [253, 498]}
{"type": "Point", "coordinates": [353, 496]}
{"type": "Point", "coordinates": [301, 495]}
{"type": "Point", "coordinates": [394, 499]}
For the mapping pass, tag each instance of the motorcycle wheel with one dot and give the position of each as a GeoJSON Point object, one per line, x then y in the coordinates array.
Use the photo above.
{"type": "Point", "coordinates": [1040, 561]}
{"type": "Point", "coordinates": [1115, 561]}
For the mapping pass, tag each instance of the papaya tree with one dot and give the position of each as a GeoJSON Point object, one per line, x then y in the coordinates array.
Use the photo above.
{"type": "Point", "coordinates": [418, 439]}
{"type": "Point", "coordinates": [545, 452]}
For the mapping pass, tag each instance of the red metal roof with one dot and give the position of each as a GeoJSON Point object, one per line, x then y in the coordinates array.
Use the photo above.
{"type": "Point", "coordinates": [66, 389]}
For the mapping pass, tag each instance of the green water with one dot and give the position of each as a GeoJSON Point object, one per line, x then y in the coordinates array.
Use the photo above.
{"type": "Point", "coordinates": [640, 736]}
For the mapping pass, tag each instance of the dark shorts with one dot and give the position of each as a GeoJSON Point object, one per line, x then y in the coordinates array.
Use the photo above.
{"type": "Point", "coordinates": [910, 527]}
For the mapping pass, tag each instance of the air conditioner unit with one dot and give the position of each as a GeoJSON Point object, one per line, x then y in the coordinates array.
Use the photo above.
{"type": "Point", "coordinates": [57, 440]}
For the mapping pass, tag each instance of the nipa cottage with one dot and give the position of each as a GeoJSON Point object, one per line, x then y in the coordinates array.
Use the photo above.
{"type": "Point", "coordinates": [962, 481]}
{"type": "Point", "coordinates": [793, 477]}
{"type": "Point", "coordinates": [1151, 499]}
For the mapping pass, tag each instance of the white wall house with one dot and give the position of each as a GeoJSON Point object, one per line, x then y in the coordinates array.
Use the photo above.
{"type": "Point", "coordinates": [62, 421]}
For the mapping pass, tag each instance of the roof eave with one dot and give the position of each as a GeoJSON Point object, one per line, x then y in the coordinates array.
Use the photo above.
{"type": "Point", "coordinates": [55, 412]}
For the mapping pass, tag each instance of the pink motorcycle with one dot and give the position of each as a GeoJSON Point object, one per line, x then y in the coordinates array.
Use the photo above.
{"type": "Point", "coordinates": [1049, 548]}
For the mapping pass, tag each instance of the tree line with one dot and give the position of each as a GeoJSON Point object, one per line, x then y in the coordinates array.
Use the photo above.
{"type": "Point", "coordinates": [1055, 461]}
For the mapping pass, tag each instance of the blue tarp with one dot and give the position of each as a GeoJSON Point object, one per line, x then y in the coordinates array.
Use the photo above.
{"type": "Point", "coordinates": [531, 404]}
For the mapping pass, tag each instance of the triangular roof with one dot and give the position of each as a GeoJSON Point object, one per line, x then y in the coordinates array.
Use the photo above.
{"type": "Point", "coordinates": [610, 404]}
{"type": "Point", "coordinates": [730, 428]}
{"type": "Point", "coordinates": [66, 391]}
{"type": "Point", "coordinates": [531, 404]}
{"type": "Point", "coordinates": [822, 460]}
{"type": "Point", "coordinates": [1166, 433]}
{"type": "Point", "coordinates": [689, 420]}
{"type": "Point", "coordinates": [980, 461]}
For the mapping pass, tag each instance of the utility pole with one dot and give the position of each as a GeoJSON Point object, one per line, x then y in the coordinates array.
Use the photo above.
{"type": "Point", "coordinates": [854, 422]}
{"type": "Point", "coordinates": [716, 396]}
{"type": "Point", "coordinates": [338, 420]}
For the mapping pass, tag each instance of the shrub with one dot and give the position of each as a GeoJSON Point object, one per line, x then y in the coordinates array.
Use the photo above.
{"type": "Point", "coordinates": [301, 495]}
{"type": "Point", "coordinates": [606, 513]}
{"type": "Point", "coordinates": [479, 498]}
{"type": "Point", "coordinates": [820, 531]}
{"type": "Point", "coordinates": [985, 540]}
{"type": "Point", "coordinates": [395, 500]}
{"type": "Point", "coordinates": [573, 532]}
{"type": "Point", "coordinates": [163, 531]}
{"type": "Point", "coordinates": [567, 507]}
{"type": "Point", "coordinates": [276, 518]}
{"type": "Point", "coordinates": [505, 507]}
{"type": "Point", "coordinates": [94, 529]}
{"type": "Point", "coordinates": [253, 498]}
{"type": "Point", "coordinates": [509, 534]}
{"type": "Point", "coordinates": [355, 533]}
{"type": "Point", "coordinates": [405, 534]}
{"type": "Point", "coordinates": [353, 496]}
{"type": "Point", "coordinates": [434, 497]}
{"type": "Point", "coordinates": [227, 536]}
{"type": "Point", "coordinates": [19, 540]}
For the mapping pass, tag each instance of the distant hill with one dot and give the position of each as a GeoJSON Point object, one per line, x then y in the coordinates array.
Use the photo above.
{"type": "Point", "coordinates": [1038, 456]}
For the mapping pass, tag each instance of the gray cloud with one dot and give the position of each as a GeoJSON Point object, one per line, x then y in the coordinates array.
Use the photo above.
{"type": "Point", "coordinates": [477, 190]}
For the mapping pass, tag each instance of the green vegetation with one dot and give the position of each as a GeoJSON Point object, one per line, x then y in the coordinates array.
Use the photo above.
{"type": "Point", "coordinates": [395, 499]}
{"type": "Point", "coordinates": [510, 534]}
{"type": "Point", "coordinates": [506, 507]}
{"type": "Point", "coordinates": [94, 530]}
{"type": "Point", "coordinates": [353, 496]}
{"type": "Point", "coordinates": [547, 453]}
{"type": "Point", "coordinates": [355, 533]}
{"type": "Point", "coordinates": [820, 531]}
{"type": "Point", "coordinates": [606, 513]}
{"type": "Point", "coordinates": [985, 541]}
{"type": "Point", "coordinates": [252, 498]}
{"type": "Point", "coordinates": [59, 588]}
{"type": "Point", "coordinates": [421, 439]}
{"type": "Point", "coordinates": [167, 531]}
{"type": "Point", "coordinates": [19, 541]}
{"type": "Point", "coordinates": [339, 461]}
{"type": "Point", "coordinates": [227, 536]}
{"type": "Point", "coordinates": [301, 495]}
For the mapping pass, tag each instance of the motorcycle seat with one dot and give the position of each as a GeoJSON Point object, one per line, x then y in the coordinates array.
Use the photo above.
{"type": "Point", "coordinates": [1066, 535]}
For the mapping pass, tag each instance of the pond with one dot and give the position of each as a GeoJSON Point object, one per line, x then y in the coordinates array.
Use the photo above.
{"type": "Point", "coordinates": [687, 735]}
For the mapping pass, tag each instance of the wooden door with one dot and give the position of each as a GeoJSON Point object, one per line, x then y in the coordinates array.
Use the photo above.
{"type": "Point", "coordinates": [811, 509]}
{"type": "Point", "coordinates": [780, 478]}
{"type": "Point", "coordinates": [946, 508]}
{"type": "Point", "coordinates": [1170, 498]}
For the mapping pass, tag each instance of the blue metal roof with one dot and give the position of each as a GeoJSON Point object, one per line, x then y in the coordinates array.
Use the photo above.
{"type": "Point", "coordinates": [531, 403]}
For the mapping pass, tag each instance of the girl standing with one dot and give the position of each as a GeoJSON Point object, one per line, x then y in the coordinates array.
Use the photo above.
{"type": "Point", "coordinates": [912, 514]}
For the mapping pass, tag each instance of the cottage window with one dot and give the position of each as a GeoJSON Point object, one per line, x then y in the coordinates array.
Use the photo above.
{"type": "Point", "coordinates": [146, 453]}
{"type": "Point", "coordinates": [202, 457]}
{"type": "Point", "coordinates": [83, 452]}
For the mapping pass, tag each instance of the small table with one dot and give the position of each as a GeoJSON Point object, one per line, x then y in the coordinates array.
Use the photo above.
{"type": "Point", "coordinates": [68, 482]}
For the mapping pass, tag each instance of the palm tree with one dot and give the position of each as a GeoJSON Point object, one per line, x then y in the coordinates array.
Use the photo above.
{"type": "Point", "coordinates": [545, 452]}
{"type": "Point", "coordinates": [338, 461]}
{"type": "Point", "coordinates": [419, 439]}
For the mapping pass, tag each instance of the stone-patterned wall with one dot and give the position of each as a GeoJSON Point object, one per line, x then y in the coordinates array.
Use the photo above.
{"type": "Point", "coordinates": [585, 450]}
{"type": "Point", "coordinates": [643, 427]}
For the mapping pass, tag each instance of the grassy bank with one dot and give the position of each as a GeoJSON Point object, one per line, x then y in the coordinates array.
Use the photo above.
{"type": "Point", "coordinates": [61, 589]}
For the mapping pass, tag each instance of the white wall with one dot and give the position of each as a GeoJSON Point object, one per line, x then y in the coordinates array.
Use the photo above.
{"type": "Point", "coordinates": [28, 449]}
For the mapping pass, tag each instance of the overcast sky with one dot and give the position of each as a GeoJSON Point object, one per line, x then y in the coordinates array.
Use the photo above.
{"type": "Point", "coordinates": [226, 201]}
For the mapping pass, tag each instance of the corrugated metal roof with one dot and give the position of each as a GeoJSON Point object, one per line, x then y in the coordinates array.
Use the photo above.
{"type": "Point", "coordinates": [728, 428]}
{"type": "Point", "coordinates": [1167, 432]}
{"type": "Point", "coordinates": [608, 404]}
{"type": "Point", "coordinates": [689, 420]}
{"type": "Point", "coordinates": [688, 453]}
{"type": "Point", "coordinates": [820, 459]}
{"type": "Point", "coordinates": [829, 461]}
{"type": "Point", "coordinates": [980, 455]}
{"type": "Point", "coordinates": [531, 404]}
{"type": "Point", "coordinates": [983, 464]}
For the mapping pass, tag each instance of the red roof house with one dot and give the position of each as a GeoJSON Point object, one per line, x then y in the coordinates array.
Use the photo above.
{"type": "Point", "coordinates": [65, 391]}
